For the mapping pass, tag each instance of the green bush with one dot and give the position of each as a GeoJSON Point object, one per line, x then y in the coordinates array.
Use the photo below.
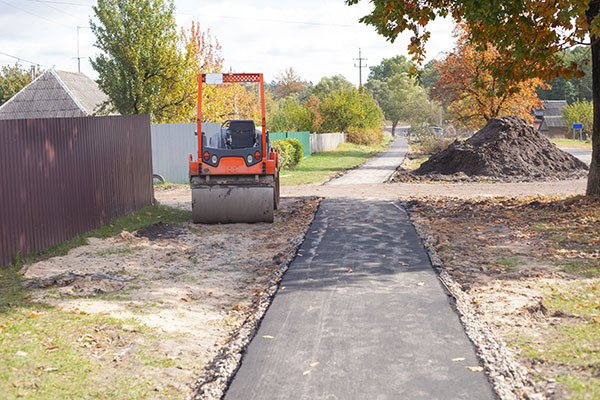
{"type": "Point", "coordinates": [432, 145]}
{"type": "Point", "coordinates": [364, 137]}
{"type": "Point", "coordinates": [290, 152]}
{"type": "Point", "coordinates": [298, 150]}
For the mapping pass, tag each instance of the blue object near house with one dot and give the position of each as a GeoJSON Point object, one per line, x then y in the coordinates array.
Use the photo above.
{"type": "Point", "coordinates": [577, 126]}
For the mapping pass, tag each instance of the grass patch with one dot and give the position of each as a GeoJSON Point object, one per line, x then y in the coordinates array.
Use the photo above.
{"type": "Point", "coordinates": [510, 263]}
{"type": "Point", "coordinates": [573, 144]}
{"type": "Point", "coordinates": [47, 353]}
{"type": "Point", "coordinates": [137, 220]}
{"type": "Point", "coordinates": [581, 389]}
{"type": "Point", "coordinates": [151, 359]}
{"type": "Point", "coordinates": [415, 161]}
{"type": "Point", "coordinates": [320, 166]}
{"type": "Point", "coordinates": [574, 345]}
{"type": "Point", "coordinates": [587, 267]}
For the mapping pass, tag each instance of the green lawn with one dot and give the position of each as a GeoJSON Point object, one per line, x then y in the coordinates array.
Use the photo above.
{"type": "Point", "coordinates": [50, 353]}
{"type": "Point", "coordinates": [320, 166]}
{"type": "Point", "coordinates": [573, 144]}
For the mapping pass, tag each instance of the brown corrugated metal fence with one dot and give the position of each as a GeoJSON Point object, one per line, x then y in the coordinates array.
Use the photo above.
{"type": "Point", "coordinates": [60, 177]}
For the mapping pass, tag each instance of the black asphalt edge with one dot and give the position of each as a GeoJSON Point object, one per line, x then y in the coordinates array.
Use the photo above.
{"type": "Point", "coordinates": [510, 379]}
{"type": "Point", "coordinates": [217, 375]}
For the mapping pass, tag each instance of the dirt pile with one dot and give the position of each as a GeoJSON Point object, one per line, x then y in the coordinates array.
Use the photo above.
{"type": "Point", "coordinates": [506, 149]}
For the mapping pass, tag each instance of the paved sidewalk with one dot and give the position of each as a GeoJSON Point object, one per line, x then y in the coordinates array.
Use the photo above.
{"type": "Point", "coordinates": [584, 155]}
{"type": "Point", "coordinates": [360, 314]}
{"type": "Point", "coordinates": [378, 169]}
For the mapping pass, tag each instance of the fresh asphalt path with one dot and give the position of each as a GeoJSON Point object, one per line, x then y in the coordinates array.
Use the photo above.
{"type": "Point", "coordinates": [377, 169]}
{"type": "Point", "coordinates": [360, 314]}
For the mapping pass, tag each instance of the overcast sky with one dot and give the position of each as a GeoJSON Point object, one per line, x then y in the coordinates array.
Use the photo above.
{"type": "Point", "coordinates": [316, 37]}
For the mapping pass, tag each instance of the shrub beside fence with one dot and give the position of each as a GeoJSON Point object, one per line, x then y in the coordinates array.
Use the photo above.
{"type": "Point", "coordinates": [303, 138]}
{"type": "Point", "coordinates": [60, 177]}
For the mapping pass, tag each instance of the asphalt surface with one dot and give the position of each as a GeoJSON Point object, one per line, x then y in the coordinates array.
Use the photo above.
{"type": "Point", "coordinates": [584, 155]}
{"type": "Point", "coordinates": [360, 314]}
{"type": "Point", "coordinates": [377, 169]}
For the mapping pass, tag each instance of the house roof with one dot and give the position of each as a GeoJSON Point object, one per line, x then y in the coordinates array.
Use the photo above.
{"type": "Point", "coordinates": [552, 107]}
{"type": "Point", "coordinates": [55, 94]}
{"type": "Point", "coordinates": [552, 122]}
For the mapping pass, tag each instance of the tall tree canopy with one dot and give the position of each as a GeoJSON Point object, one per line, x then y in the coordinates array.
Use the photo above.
{"type": "Point", "coordinates": [219, 102]}
{"type": "Point", "coordinates": [528, 34]}
{"type": "Point", "coordinates": [143, 69]}
{"type": "Point", "coordinates": [328, 84]}
{"type": "Point", "coordinates": [389, 67]}
{"type": "Point", "coordinates": [470, 92]}
{"type": "Point", "coordinates": [12, 79]}
{"type": "Point", "coordinates": [574, 89]}
{"type": "Point", "coordinates": [288, 82]}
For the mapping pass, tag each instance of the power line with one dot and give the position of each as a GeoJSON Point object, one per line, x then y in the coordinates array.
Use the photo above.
{"type": "Point", "coordinates": [35, 15]}
{"type": "Point", "coordinates": [22, 59]}
{"type": "Point", "coordinates": [280, 21]}
{"type": "Point", "coordinates": [61, 2]}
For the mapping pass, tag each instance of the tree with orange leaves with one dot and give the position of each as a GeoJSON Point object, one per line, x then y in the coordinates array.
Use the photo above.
{"type": "Point", "coordinates": [219, 102]}
{"type": "Point", "coordinates": [529, 36]}
{"type": "Point", "coordinates": [470, 92]}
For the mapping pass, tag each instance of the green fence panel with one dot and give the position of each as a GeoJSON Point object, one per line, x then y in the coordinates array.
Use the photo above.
{"type": "Point", "coordinates": [303, 138]}
{"type": "Point", "coordinates": [277, 136]}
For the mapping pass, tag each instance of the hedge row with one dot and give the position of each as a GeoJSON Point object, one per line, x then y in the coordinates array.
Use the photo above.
{"type": "Point", "coordinates": [290, 152]}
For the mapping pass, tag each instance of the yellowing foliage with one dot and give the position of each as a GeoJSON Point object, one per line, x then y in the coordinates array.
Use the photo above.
{"type": "Point", "coordinates": [473, 94]}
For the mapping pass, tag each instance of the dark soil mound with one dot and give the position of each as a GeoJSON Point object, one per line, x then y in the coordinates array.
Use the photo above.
{"type": "Point", "coordinates": [505, 149]}
{"type": "Point", "coordinates": [160, 231]}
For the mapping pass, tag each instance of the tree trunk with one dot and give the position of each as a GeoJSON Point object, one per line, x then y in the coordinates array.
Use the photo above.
{"type": "Point", "coordinates": [394, 124]}
{"type": "Point", "coordinates": [593, 184]}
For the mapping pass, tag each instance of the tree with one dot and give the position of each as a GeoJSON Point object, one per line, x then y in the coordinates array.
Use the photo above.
{"type": "Point", "coordinates": [580, 112]}
{"type": "Point", "coordinates": [329, 84]}
{"type": "Point", "coordinates": [219, 102]}
{"type": "Point", "coordinates": [390, 67]}
{"type": "Point", "coordinates": [288, 82]}
{"type": "Point", "coordinates": [143, 69]}
{"type": "Point", "coordinates": [575, 88]}
{"type": "Point", "coordinates": [12, 79]}
{"type": "Point", "coordinates": [401, 98]}
{"type": "Point", "coordinates": [429, 75]}
{"type": "Point", "coordinates": [528, 34]}
{"type": "Point", "coordinates": [344, 109]}
{"type": "Point", "coordinates": [470, 92]}
{"type": "Point", "coordinates": [290, 116]}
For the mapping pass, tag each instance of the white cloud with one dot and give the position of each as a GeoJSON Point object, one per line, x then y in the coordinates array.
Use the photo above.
{"type": "Point", "coordinates": [316, 37]}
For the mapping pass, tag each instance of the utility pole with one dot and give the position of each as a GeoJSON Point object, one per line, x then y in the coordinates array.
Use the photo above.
{"type": "Point", "coordinates": [78, 58]}
{"type": "Point", "coordinates": [360, 66]}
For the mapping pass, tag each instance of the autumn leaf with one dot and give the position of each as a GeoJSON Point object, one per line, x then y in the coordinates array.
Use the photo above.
{"type": "Point", "coordinates": [475, 369]}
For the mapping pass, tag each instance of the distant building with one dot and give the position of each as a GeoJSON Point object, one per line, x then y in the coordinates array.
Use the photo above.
{"type": "Point", "coordinates": [549, 121]}
{"type": "Point", "coordinates": [55, 94]}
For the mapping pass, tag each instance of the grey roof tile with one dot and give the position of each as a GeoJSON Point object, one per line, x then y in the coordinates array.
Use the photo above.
{"type": "Point", "coordinates": [55, 94]}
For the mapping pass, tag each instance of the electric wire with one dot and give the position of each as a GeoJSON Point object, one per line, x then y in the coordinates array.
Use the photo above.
{"type": "Point", "coordinates": [22, 59]}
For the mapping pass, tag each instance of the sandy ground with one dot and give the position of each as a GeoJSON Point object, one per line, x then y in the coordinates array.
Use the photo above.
{"type": "Point", "coordinates": [461, 190]}
{"type": "Point", "coordinates": [194, 284]}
